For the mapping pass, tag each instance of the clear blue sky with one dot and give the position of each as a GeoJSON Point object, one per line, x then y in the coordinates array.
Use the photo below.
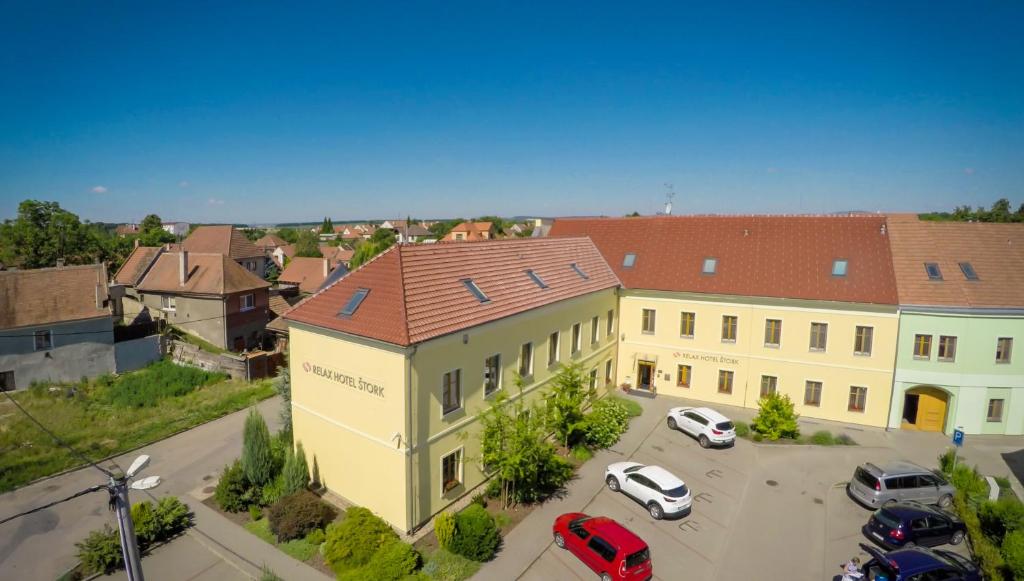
{"type": "Point", "coordinates": [251, 112]}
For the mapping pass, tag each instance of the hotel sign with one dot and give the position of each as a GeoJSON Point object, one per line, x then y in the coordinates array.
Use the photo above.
{"type": "Point", "coordinates": [355, 382]}
{"type": "Point", "coordinates": [708, 357]}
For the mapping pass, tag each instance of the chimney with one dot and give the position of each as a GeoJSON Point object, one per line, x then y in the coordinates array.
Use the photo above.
{"type": "Point", "coordinates": [327, 268]}
{"type": "Point", "coordinates": [182, 267]}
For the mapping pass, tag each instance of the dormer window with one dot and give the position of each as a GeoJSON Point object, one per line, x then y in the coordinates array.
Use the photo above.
{"type": "Point", "coordinates": [629, 260]}
{"type": "Point", "coordinates": [576, 268]}
{"type": "Point", "coordinates": [710, 266]}
{"type": "Point", "coordinates": [968, 270]}
{"type": "Point", "coordinates": [536, 279]}
{"type": "Point", "coordinates": [354, 302]}
{"type": "Point", "coordinates": [839, 267]}
{"type": "Point", "coordinates": [479, 294]}
{"type": "Point", "coordinates": [932, 268]}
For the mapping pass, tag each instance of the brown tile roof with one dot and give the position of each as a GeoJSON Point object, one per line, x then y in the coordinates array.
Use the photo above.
{"type": "Point", "coordinates": [473, 230]}
{"type": "Point", "coordinates": [336, 254]}
{"type": "Point", "coordinates": [765, 256]}
{"type": "Point", "coordinates": [270, 241]}
{"type": "Point", "coordinates": [209, 274]}
{"type": "Point", "coordinates": [221, 240]}
{"type": "Point", "coordinates": [279, 305]}
{"type": "Point", "coordinates": [996, 251]}
{"type": "Point", "coordinates": [416, 291]}
{"type": "Point", "coordinates": [306, 272]}
{"type": "Point", "coordinates": [51, 295]}
{"type": "Point", "coordinates": [136, 264]}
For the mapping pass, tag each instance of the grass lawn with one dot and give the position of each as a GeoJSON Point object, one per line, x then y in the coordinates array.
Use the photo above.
{"type": "Point", "coordinates": [88, 418]}
{"type": "Point", "coordinates": [198, 342]}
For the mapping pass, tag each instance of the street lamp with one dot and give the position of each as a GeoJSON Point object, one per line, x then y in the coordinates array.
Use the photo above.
{"type": "Point", "coordinates": [118, 488]}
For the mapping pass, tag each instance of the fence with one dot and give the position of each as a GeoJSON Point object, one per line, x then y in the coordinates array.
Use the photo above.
{"type": "Point", "coordinates": [253, 365]}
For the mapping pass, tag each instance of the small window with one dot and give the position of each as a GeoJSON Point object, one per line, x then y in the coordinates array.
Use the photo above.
{"type": "Point", "coordinates": [772, 332]}
{"type": "Point", "coordinates": [932, 269]}
{"type": "Point", "coordinates": [769, 385]}
{"type": "Point", "coordinates": [168, 303]}
{"type": "Point", "coordinates": [710, 265]}
{"type": "Point", "coordinates": [628, 260]}
{"type": "Point", "coordinates": [947, 348]}
{"type": "Point", "coordinates": [43, 340]}
{"type": "Point", "coordinates": [725, 381]}
{"type": "Point", "coordinates": [812, 393]}
{"type": "Point", "coordinates": [526, 360]}
{"type": "Point", "coordinates": [729, 324]}
{"type": "Point", "coordinates": [479, 294]}
{"type": "Point", "coordinates": [922, 346]}
{"type": "Point", "coordinates": [247, 302]}
{"type": "Point", "coordinates": [611, 322]}
{"type": "Point", "coordinates": [553, 340]}
{"type": "Point", "coordinates": [492, 374]}
{"type": "Point", "coordinates": [577, 341]}
{"type": "Point", "coordinates": [579, 271]}
{"type": "Point", "coordinates": [647, 321]}
{"type": "Point", "coordinates": [839, 267]}
{"type": "Point", "coordinates": [858, 398]}
{"type": "Point", "coordinates": [968, 270]}
{"type": "Point", "coordinates": [536, 279]}
{"type": "Point", "coordinates": [819, 336]}
{"type": "Point", "coordinates": [687, 321]}
{"type": "Point", "coordinates": [862, 340]}
{"type": "Point", "coordinates": [451, 391]}
{"type": "Point", "coordinates": [451, 471]}
{"type": "Point", "coordinates": [995, 410]}
{"type": "Point", "coordinates": [683, 377]}
{"type": "Point", "coordinates": [595, 325]}
{"type": "Point", "coordinates": [608, 372]}
{"type": "Point", "coordinates": [1004, 345]}
{"type": "Point", "coordinates": [593, 379]}
{"type": "Point", "coordinates": [354, 302]}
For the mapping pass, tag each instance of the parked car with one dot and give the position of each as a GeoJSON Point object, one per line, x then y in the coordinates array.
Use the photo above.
{"type": "Point", "coordinates": [918, 564]}
{"type": "Point", "coordinates": [904, 524]}
{"type": "Point", "coordinates": [708, 426]}
{"type": "Point", "coordinates": [652, 486]}
{"type": "Point", "coordinates": [608, 548]}
{"type": "Point", "coordinates": [898, 481]}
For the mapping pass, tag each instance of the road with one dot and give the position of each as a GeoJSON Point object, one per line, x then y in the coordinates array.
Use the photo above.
{"type": "Point", "coordinates": [41, 545]}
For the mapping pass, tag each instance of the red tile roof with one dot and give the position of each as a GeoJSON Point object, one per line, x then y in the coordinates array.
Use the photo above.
{"type": "Point", "coordinates": [270, 241]}
{"type": "Point", "coordinates": [416, 291]}
{"type": "Point", "coordinates": [472, 231]}
{"type": "Point", "coordinates": [764, 256]}
{"type": "Point", "coordinates": [136, 264]}
{"type": "Point", "coordinates": [209, 274]}
{"type": "Point", "coordinates": [221, 240]}
{"type": "Point", "coordinates": [995, 251]}
{"type": "Point", "coordinates": [306, 272]}
{"type": "Point", "coordinates": [51, 295]}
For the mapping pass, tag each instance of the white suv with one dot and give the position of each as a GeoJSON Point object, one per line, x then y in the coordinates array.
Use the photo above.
{"type": "Point", "coordinates": [652, 486]}
{"type": "Point", "coordinates": [705, 424]}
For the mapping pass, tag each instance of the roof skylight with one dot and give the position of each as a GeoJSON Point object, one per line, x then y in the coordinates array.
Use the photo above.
{"type": "Point", "coordinates": [710, 266]}
{"type": "Point", "coordinates": [968, 270]}
{"type": "Point", "coordinates": [932, 268]}
{"type": "Point", "coordinates": [479, 294]}
{"type": "Point", "coordinates": [354, 302]}
{"type": "Point", "coordinates": [628, 260]}
{"type": "Point", "coordinates": [536, 279]}
{"type": "Point", "coordinates": [839, 267]}
{"type": "Point", "coordinates": [579, 271]}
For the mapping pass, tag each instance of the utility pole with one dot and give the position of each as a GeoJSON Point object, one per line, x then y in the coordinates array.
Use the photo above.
{"type": "Point", "coordinates": [118, 488]}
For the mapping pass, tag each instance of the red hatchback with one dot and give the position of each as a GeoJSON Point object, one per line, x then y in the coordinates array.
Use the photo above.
{"type": "Point", "coordinates": [607, 547]}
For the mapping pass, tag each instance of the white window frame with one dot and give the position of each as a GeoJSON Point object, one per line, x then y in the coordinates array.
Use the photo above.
{"type": "Point", "coordinates": [497, 381]}
{"type": "Point", "coordinates": [864, 408]}
{"type": "Point", "coordinates": [48, 334]}
{"type": "Point", "coordinates": [608, 372]}
{"type": "Point", "coordinates": [1009, 351]}
{"type": "Point", "coordinates": [168, 303]}
{"type": "Point", "coordinates": [821, 392]}
{"type": "Point", "coordinates": [595, 330]}
{"type": "Point", "coordinates": [774, 382]}
{"type": "Point", "coordinates": [810, 334]}
{"type": "Point", "coordinates": [577, 338]}
{"type": "Point", "coordinates": [519, 367]}
{"type": "Point", "coordinates": [460, 470]}
{"type": "Point", "coordinates": [458, 372]}
{"type": "Point", "coordinates": [721, 327]}
{"type": "Point", "coordinates": [611, 322]}
{"type": "Point", "coordinates": [653, 319]}
{"type": "Point", "coordinates": [558, 348]}
{"type": "Point", "coordinates": [1002, 410]}
{"type": "Point", "coordinates": [871, 341]}
{"type": "Point", "coordinates": [777, 345]}
{"type": "Point", "coordinates": [241, 302]}
{"type": "Point", "coordinates": [592, 380]}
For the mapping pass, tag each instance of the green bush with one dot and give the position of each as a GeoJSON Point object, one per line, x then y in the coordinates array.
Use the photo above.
{"type": "Point", "coordinates": [234, 493]}
{"type": "Point", "coordinates": [581, 453]}
{"type": "Point", "coordinates": [845, 440]}
{"type": "Point", "coordinates": [1001, 517]}
{"type": "Point", "coordinates": [986, 554]}
{"type": "Point", "coordinates": [160, 380]}
{"type": "Point", "coordinates": [392, 562]}
{"type": "Point", "coordinates": [100, 552]}
{"type": "Point", "coordinates": [1013, 553]}
{"type": "Point", "coordinates": [147, 527]}
{"type": "Point", "coordinates": [272, 491]}
{"type": "Point", "coordinates": [476, 535]}
{"type": "Point", "coordinates": [258, 462]}
{"type": "Point", "coordinates": [946, 460]}
{"type": "Point", "coordinates": [267, 575]}
{"type": "Point", "coordinates": [444, 529]}
{"type": "Point", "coordinates": [480, 498]}
{"type": "Point", "coordinates": [742, 429]}
{"type": "Point", "coordinates": [822, 438]}
{"type": "Point", "coordinates": [757, 437]}
{"type": "Point", "coordinates": [173, 517]}
{"type": "Point", "coordinates": [297, 514]}
{"type": "Point", "coordinates": [316, 537]}
{"type": "Point", "coordinates": [255, 512]}
{"type": "Point", "coordinates": [607, 420]}
{"type": "Point", "coordinates": [776, 417]}
{"type": "Point", "coordinates": [353, 542]}
{"type": "Point", "coordinates": [446, 566]}
{"type": "Point", "coordinates": [296, 470]}
{"type": "Point", "coordinates": [967, 479]}
{"type": "Point", "coordinates": [632, 408]}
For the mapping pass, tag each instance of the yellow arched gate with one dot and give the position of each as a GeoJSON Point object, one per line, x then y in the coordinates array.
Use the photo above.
{"type": "Point", "coordinates": [925, 409]}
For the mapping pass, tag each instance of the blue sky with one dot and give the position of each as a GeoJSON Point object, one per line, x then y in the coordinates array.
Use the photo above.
{"type": "Point", "coordinates": [253, 112]}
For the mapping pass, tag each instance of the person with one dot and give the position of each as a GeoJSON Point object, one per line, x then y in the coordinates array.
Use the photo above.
{"type": "Point", "coordinates": [851, 570]}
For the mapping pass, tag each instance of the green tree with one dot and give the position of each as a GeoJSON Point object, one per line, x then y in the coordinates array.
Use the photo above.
{"type": "Point", "coordinates": [254, 234]}
{"type": "Point", "coordinates": [776, 418]}
{"type": "Point", "coordinates": [289, 235]}
{"type": "Point", "coordinates": [308, 245]}
{"type": "Point", "coordinates": [635, 214]}
{"type": "Point", "coordinates": [379, 241]}
{"type": "Point", "coordinates": [257, 457]}
{"type": "Point", "coordinates": [283, 385]}
{"type": "Point", "coordinates": [327, 227]}
{"type": "Point", "coordinates": [443, 227]}
{"type": "Point", "coordinates": [152, 233]}
{"type": "Point", "coordinates": [296, 470]}
{"type": "Point", "coordinates": [499, 223]}
{"type": "Point", "coordinates": [42, 233]}
{"type": "Point", "coordinates": [565, 403]}
{"type": "Point", "coordinates": [1000, 211]}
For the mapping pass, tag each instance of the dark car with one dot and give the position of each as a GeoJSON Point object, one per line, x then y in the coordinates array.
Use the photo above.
{"type": "Point", "coordinates": [918, 564]}
{"type": "Point", "coordinates": [905, 524]}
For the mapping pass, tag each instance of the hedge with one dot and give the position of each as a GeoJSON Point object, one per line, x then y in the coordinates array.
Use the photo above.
{"type": "Point", "coordinates": [356, 539]}
{"type": "Point", "coordinates": [476, 535]}
{"type": "Point", "coordinates": [297, 514]}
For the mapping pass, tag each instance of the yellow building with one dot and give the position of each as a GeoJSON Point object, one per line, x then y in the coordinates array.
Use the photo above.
{"type": "Point", "coordinates": [391, 364]}
{"type": "Point", "coordinates": [725, 309]}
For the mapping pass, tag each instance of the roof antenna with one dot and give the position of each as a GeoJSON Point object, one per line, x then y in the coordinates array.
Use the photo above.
{"type": "Point", "coordinates": [669, 195]}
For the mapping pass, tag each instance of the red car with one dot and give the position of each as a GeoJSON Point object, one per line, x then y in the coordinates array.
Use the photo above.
{"type": "Point", "coordinates": [607, 547]}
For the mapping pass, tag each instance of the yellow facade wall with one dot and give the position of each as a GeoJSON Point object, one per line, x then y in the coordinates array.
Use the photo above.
{"type": "Point", "coordinates": [792, 362]}
{"type": "Point", "coordinates": [349, 411]}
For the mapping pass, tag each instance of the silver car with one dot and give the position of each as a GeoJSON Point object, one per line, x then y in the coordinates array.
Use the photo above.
{"type": "Point", "coordinates": [898, 481]}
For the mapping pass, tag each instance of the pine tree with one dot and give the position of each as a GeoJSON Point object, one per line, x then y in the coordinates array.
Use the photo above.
{"type": "Point", "coordinates": [257, 457]}
{"type": "Point", "coordinates": [316, 483]}
{"type": "Point", "coordinates": [296, 470]}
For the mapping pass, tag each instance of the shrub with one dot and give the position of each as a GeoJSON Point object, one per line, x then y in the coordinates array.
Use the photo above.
{"type": "Point", "coordinates": [822, 438]}
{"type": "Point", "coordinates": [1013, 553]}
{"type": "Point", "coordinates": [607, 420]}
{"type": "Point", "coordinates": [776, 417]}
{"type": "Point", "coordinates": [946, 460]}
{"type": "Point", "coordinates": [156, 382]}
{"type": "Point", "coordinates": [845, 440]}
{"type": "Point", "coordinates": [267, 575]}
{"type": "Point", "coordinates": [581, 453]}
{"type": "Point", "coordinates": [757, 437]}
{"type": "Point", "coordinates": [234, 493]}
{"type": "Point", "coordinates": [1001, 517]}
{"type": "Point", "coordinates": [742, 429]}
{"type": "Point", "coordinates": [173, 517]}
{"type": "Point", "coordinates": [986, 554]}
{"type": "Point", "coordinates": [147, 527]}
{"type": "Point", "coordinates": [100, 552]}
{"type": "Point", "coordinates": [564, 403]}
{"type": "Point", "coordinates": [392, 562]}
{"type": "Point", "coordinates": [353, 542]}
{"type": "Point", "coordinates": [296, 470]}
{"type": "Point", "coordinates": [272, 491]}
{"type": "Point", "coordinates": [632, 408]}
{"type": "Point", "coordinates": [297, 514]}
{"type": "Point", "coordinates": [967, 479]}
{"type": "Point", "coordinates": [444, 529]}
{"type": "Point", "coordinates": [257, 458]}
{"type": "Point", "coordinates": [480, 498]}
{"type": "Point", "coordinates": [255, 512]}
{"type": "Point", "coordinates": [446, 566]}
{"type": "Point", "coordinates": [476, 535]}
{"type": "Point", "coordinates": [316, 537]}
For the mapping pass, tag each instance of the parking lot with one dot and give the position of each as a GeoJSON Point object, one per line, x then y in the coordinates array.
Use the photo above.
{"type": "Point", "coordinates": [760, 511]}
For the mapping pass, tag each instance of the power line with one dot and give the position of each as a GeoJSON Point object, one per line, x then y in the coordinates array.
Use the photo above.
{"type": "Point", "coordinates": [56, 502]}
{"type": "Point", "coordinates": [64, 444]}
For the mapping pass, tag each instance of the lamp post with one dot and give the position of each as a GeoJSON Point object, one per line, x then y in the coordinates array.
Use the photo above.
{"type": "Point", "coordinates": [118, 488]}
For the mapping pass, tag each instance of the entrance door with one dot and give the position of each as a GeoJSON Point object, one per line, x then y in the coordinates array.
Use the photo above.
{"type": "Point", "coordinates": [924, 408]}
{"type": "Point", "coordinates": [910, 402]}
{"type": "Point", "coordinates": [645, 375]}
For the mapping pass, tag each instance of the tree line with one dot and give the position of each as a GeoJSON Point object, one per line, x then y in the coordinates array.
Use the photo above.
{"type": "Point", "coordinates": [1001, 211]}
